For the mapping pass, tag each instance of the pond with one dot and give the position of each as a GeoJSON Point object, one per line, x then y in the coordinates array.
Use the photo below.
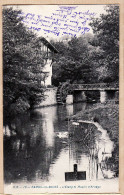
{"type": "Point", "coordinates": [39, 149]}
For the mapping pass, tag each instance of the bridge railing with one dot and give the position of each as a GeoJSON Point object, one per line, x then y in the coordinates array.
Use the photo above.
{"type": "Point", "coordinates": [96, 85]}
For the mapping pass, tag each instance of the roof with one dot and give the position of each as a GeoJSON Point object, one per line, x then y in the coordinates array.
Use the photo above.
{"type": "Point", "coordinates": [49, 45]}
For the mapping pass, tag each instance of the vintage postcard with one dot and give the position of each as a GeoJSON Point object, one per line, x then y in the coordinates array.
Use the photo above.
{"type": "Point", "coordinates": [61, 98]}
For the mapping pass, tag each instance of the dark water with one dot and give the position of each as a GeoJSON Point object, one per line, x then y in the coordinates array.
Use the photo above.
{"type": "Point", "coordinates": [37, 147]}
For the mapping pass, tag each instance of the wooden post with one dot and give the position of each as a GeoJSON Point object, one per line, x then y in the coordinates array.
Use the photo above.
{"type": "Point", "coordinates": [75, 171]}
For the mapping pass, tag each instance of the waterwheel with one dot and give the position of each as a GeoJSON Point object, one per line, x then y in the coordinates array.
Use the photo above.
{"type": "Point", "coordinates": [63, 90]}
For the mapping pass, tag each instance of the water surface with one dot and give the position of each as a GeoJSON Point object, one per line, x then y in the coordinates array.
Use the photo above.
{"type": "Point", "coordinates": [38, 148]}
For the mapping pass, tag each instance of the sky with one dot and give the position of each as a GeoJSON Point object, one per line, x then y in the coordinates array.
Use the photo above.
{"type": "Point", "coordinates": [57, 21]}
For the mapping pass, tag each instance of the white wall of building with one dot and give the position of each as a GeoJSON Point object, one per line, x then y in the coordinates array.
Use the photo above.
{"type": "Point", "coordinates": [48, 69]}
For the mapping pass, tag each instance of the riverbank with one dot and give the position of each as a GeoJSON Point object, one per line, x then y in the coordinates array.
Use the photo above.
{"type": "Point", "coordinates": [107, 115]}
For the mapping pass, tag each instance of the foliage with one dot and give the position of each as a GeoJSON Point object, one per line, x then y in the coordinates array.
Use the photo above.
{"type": "Point", "coordinates": [72, 62]}
{"type": "Point", "coordinates": [91, 58]}
{"type": "Point", "coordinates": [86, 59]}
{"type": "Point", "coordinates": [106, 29]}
{"type": "Point", "coordinates": [22, 64]}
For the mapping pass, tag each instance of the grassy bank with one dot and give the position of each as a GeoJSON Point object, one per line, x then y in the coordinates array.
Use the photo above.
{"type": "Point", "coordinates": [107, 115]}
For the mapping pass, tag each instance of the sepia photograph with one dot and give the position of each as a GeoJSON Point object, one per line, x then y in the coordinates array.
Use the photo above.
{"type": "Point", "coordinates": [61, 98]}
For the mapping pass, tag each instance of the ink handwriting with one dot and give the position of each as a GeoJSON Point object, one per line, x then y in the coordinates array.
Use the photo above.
{"type": "Point", "coordinates": [65, 20]}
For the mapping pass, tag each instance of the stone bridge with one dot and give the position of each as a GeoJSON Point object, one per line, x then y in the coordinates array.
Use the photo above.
{"type": "Point", "coordinates": [69, 93]}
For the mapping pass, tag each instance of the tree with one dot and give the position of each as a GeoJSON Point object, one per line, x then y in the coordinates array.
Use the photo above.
{"type": "Point", "coordinates": [106, 29]}
{"type": "Point", "coordinates": [22, 65]}
{"type": "Point", "coordinates": [72, 62]}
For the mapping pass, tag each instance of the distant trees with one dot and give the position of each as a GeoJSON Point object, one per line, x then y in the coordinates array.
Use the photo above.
{"type": "Point", "coordinates": [91, 58]}
{"type": "Point", "coordinates": [106, 30]}
{"type": "Point", "coordinates": [72, 62]}
{"type": "Point", "coordinates": [22, 64]}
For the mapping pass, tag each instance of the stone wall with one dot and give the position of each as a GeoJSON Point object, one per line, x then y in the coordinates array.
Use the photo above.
{"type": "Point", "coordinates": [50, 97]}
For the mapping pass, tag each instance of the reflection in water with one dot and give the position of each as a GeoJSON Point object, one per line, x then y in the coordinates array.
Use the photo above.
{"type": "Point", "coordinates": [37, 146]}
{"type": "Point", "coordinates": [48, 117]}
